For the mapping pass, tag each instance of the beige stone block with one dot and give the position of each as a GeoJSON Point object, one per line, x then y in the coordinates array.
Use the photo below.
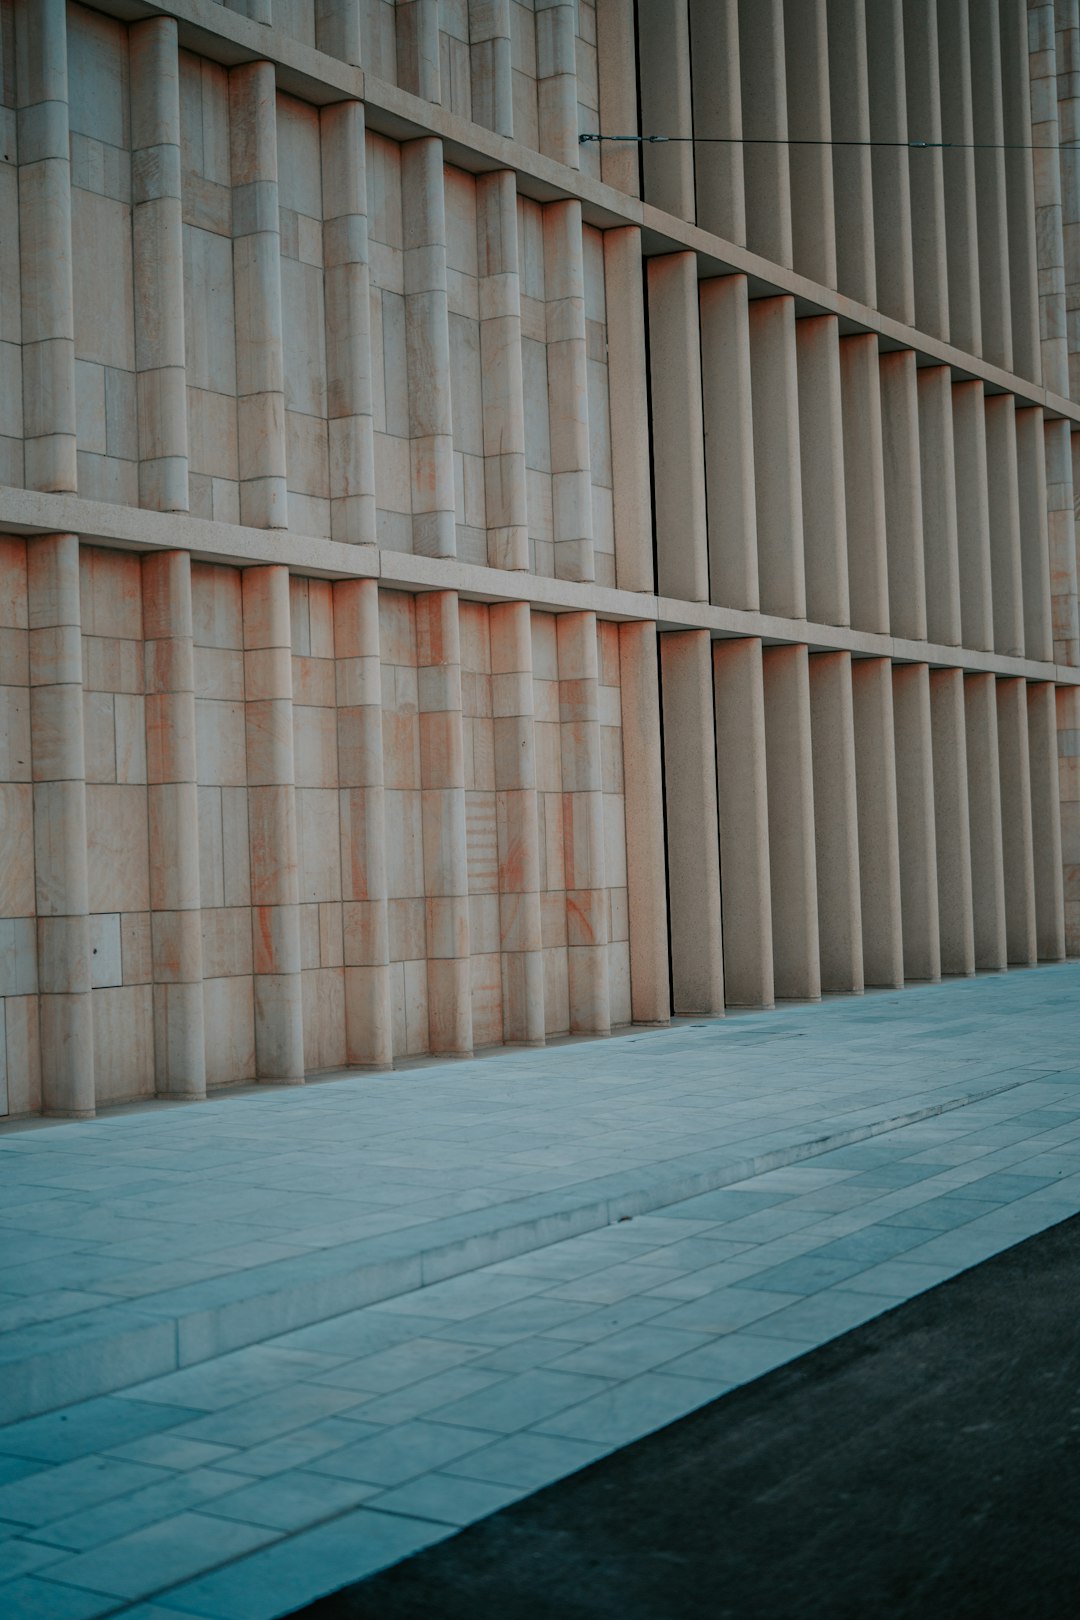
{"type": "Point", "coordinates": [56, 723]}
{"type": "Point", "coordinates": [177, 947]}
{"type": "Point", "coordinates": [272, 826]}
{"type": "Point", "coordinates": [14, 734]}
{"type": "Point", "coordinates": [172, 811]}
{"type": "Point", "coordinates": [368, 1023]}
{"type": "Point", "coordinates": [18, 956]}
{"type": "Point", "coordinates": [67, 1055]}
{"type": "Point", "coordinates": [23, 1055]}
{"type": "Point", "coordinates": [116, 823]}
{"type": "Point", "coordinates": [230, 1030]}
{"type": "Point", "coordinates": [56, 862]}
{"type": "Point", "coordinates": [136, 951]}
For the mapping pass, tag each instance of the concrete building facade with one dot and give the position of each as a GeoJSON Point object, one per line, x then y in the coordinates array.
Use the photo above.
{"type": "Point", "coordinates": [461, 584]}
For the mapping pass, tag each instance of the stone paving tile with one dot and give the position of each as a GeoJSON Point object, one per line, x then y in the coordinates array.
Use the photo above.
{"type": "Point", "coordinates": [160, 1555]}
{"type": "Point", "coordinates": [391, 1456]}
{"type": "Point", "coordinates": [447, 1499]}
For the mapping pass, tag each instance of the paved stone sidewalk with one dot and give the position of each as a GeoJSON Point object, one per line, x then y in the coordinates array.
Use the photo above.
{"type": "Point", "coordinates": [143, 1242]}
{"type": "Point", "coordinates": [245, 1486]}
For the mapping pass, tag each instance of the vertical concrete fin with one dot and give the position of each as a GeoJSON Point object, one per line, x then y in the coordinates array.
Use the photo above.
{"type": "Point", "coordinates": [1067, 702]}
{"type": "Point", "coordinates": [348, 324]}
{"type": "Point", "coordinates": [973, 516]}
{"type": "Point", "coordinates": [517, 825]}
{"type": "Point", "coordinates": [984, 812]}
{"type": "Point", "coordinates": [1020, 189]}
{"type": "Point", "coordinates": [851, 155]}
{"type": "Point", "coordinates": [1018, 856]}
{"type": "Point", "coordinates": [271, 777]}
{"type": "Point", "coordinates": [337, 29]}
{"type": "Point", "coordinates": [442, 782]}
{"type": "Point", "coordinates": [937, 473]}
{"type": "Point", "coordinates": [1045, 822]}
{"type": "Point", "coordinates": [952, 828]}
{"type": "Point", "coordinates": [629, 405]}
{"type": "Point", "coordinates": [58, 770]}
{"type": "Point", "coordinates": [958, 164]}
{"type": "Point", "coordinates": [682, 557]}
{"type": "Point", "coordinates": [361, 807]}
{"type": "Point", "coordinates": [490, 65]}
{"type": "Point", "coordinates": [173, 812]}
{"type": "Point", "coordinates": [792, 850]}
{"type": "Point", "coordinates": [766, 170]}
{"type": "Point", "coordinates": [1003, 501]}
{"type": "Point", "coordinates": [915, 821]}
{"type": "Point", "coordinates": [864, 483]}
{"type": "Point", "coordinates": [745, 822]}
{"type": "Point", "coordinates": [889, 162]}
{"type": "Point", "coordinates": [836, 824]}
{"type": "Point", "coordinates": [260, 360]}
{"type": "Point", "coordinates": [717, 88]}
{"type": "Point", "coordinates": [568, 391]}
{"type": "Point", "coordinates": [729, 442]}
{"type": "Point", "coordinates": [1034, 533]}
{"type": "Point", "coordinates": [926, 174]}
{"type": "Point", "coordinates": [777, 469]}
{"type": "Point", "coordinates": [45, 267]}
{"type": "Point", "coordinates": [1045, 140]}
{"type": "Point", "coordinates": [1061, 541]}
{"type": "Point", "coordinates": [616, 41]}
{"type": "Point", "coordinates": [667, 104]}
{"type": "Point", "coordinates": [991, 194]}
{"type": "Point", "coordinates": [821, 454]}
{"type": "Point", "coordinates": [583, 823]}
{"type": "Point", "coordinates": [158, 247]}
{"type": "Point", "coordinates": [693, 845]}
{"type": "Point", "coordinates": [502, 385]}
{"type": "Point", "coordinates": [879, 844]}
{"type": "Point", "coordinates": [427, 331]}
{"type": "Point", "coordinates": [556, 79]}
{"type": "Point", "coordinates": [903, 494]}
{"type": "Point", "coordinates": [650, 989]}
{"type": "Point", "coordinates": [813, 214]}
{"type": "Point", "coordinates": [418, 48]}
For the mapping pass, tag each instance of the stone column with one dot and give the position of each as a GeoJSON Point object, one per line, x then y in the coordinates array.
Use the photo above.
{"type": "Point", "coordinates": [777, 467]}
{"type": "Point", "coordinates": [972, 516]}
{"type": "Point", "coordinates": [58, 771]}
{"type": "Point", "coordinates": [260, 363]}
{"type": "Point", "coordinates": [556, 79]}
{"type": "Point", "coordinates": [813, 217]}
{"type": "Point", "coordinates": [958, 165]}
{"type": "Point", "coordinates": [490, 65]}
{"type": "Point", "coordinates": [368, 1020]}
{"type": "Point", "coordinates": [792, 854]}
{"type": "Point", "coordinates": [937, 469]}
{"type": "Point", "coordinates": [568, 391]}
{"type": "Point", "coordinates": [666, 104]}
{"type": "Point", "coordinates": [821, 454]}
{"type": "Point", "coordinates": [1034, 534]}
{"type": "Point", "coordinates": [650, 988]}
{"type": "Point", "coordinates": [864, 483]}
{"type": "Point", "coordinates": [745, 822]}
{"type": "Point", "coordinates": [629, 409]}
{"type": "Point", "coordinates": [1045, 822]}
{"type": "Point", "coordinates": [766, 173]}
{"type": "Point", "coordinates": [915, 821]}
{"type": "Point", "coordinates": [517, 824]}
{"type": "Point", "coordinates": [501, 373]}
{"type": "Point", "coordinates": [48, 308]}
{"type": "Point", "coordinates": [1045, 139]}
{"type": "Point", "coordinates": [427, 333]}
{"type": "Point", "coordinates": [729, 442]}
{"type": "Point", "coordinates": [616, 40]}
{"type": "Point", "coordinates": [418, 48]}
{"type": "Point", "coordinates": [1020, 189]}
{"type": "Point", "coordinates": [442, 780]}
{"type": "Point", "coordinates": [158, 247]}
{"type": "Point", "coordinates": [1067, 17]}
{"type": "Point", "coordinates": [903, 494]}
{"type": "Point", "coordinates": [337, 29]}
{"type": "Point", "coordinates": [717, 87]}
{"type": "Point", "coordinates": [926, 173]}
{"type": "Point", "coordinates": [1061, 542]}
{"type": "Point", "coordinates": [990, 190]}
{"type": "Point", "coordinates": [984, 811]}
{"type": "Point", "coordinates": [1017, 852]}
{"type": "Point", "coordinates": [346, 279]}
{"type": "Point", "coordinates": [173, 809]}
{"type": "Point", "coordinates": [583, 823]}
{"type": "Point", "coordinates": [879, 844]}
{"type": "Point", "coordinates": [836, 828]}
{"type": "Point", "coordinates": [852, 181]}
{"type": "Point", "coordinates": [697, 947]}
{"type": "Point", "coordinates": [888, 160]}
{"type": "Point", "coordinates": [952, 831]}
{"type": "Point", "coordinates": [275, 925]}
{"type": "Point", "coordinates": [682, 557]}
{"type": "Point", "coordinates": [1067, 700]}
{"type": "Point", "coordinates": [1003, 496]}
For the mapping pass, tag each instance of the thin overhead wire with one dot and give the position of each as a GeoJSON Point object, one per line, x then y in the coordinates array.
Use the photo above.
{"type": "Point", "coordinates": [766, 140]}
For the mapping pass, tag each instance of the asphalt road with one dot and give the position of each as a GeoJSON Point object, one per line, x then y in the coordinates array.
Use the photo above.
{"type": "Point", "coordinates": [926, 1465]}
